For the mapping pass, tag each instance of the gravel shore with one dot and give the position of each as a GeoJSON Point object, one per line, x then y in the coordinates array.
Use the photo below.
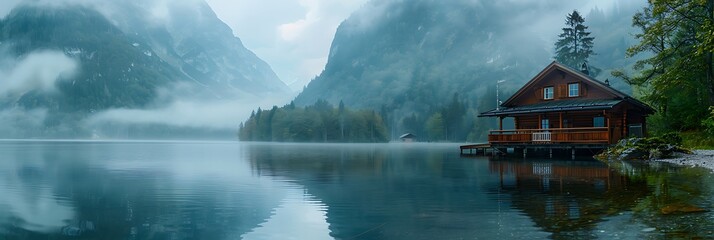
{"type": "Point", "coordinates": [699, 158]}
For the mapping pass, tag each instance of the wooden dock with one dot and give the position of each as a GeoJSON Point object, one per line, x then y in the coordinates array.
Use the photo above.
{"type": "Point", "coordinates": [499, 149]}
{"type": "Point", "coordinates": [479, 149]}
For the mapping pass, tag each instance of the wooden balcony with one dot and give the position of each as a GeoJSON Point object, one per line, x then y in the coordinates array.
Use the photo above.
{"type": "Point", "coordinates": [592, 135]}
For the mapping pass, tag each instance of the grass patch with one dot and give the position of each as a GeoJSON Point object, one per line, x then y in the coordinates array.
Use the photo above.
{"type": "Point", "coordinates": [697, 140]}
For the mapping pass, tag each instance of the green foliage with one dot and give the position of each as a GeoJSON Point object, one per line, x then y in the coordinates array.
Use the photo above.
{"type": "Point", "coordinates": [320, 122]}
{"type": "Point", "coordinates": [678, 77]}
{"type": "Point", "coordinates": [708, 123]}
{"type": "Point", "coordinates": [698, 140]}
{"type": "Point", "coordinates": [575, 45]}
{"type": "Point", "coordinates": [672, 138]}
{"type": "Point", "coordinates": [435, 127]}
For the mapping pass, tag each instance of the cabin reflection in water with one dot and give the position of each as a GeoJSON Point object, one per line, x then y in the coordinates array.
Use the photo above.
{"type": "Point", "coordinates": [567, 199]}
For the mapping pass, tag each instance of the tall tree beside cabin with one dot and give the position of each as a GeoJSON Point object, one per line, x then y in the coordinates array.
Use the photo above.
{"type": "Point", "coordinates": [677, 78]}
{"type": "Point", "coordinates": [575, 45]}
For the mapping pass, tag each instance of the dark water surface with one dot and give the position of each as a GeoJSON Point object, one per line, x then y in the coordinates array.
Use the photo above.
{"type": "Point", "coordinates": [229, 190]}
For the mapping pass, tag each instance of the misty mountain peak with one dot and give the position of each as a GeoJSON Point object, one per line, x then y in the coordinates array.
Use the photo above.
{"type": "Point", "coordinates": [129, 54]}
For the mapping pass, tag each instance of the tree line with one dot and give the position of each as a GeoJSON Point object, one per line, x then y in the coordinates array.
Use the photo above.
{"type": "Point", "coordinates": [320, 122]}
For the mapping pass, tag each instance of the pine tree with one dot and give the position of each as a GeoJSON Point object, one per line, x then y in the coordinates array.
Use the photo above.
{"type": "Point", "coordinates": [575, 45]}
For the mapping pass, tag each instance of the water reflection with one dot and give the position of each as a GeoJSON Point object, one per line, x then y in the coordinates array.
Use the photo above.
{"type": "Point", "coordinates": [300, 216]}
{"type": "Point", "coordinates": [204, 190]}
{"type": "Point", "coordinates": [567, 198]}
{"type": "Point", "coordinates": [398, 191]}
{"type": "Point", "coordinates": [28, 200]}
{"type": "Point", "coordinates": [131, 190]}
{"type": "Point", "coordinates": [426, 192]}
{"type": "Point", "coordinates": [681, 202]}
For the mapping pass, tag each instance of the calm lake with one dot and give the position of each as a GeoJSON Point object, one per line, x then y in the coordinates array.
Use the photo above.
{"type": "Point", "coordinates": [231, 190]}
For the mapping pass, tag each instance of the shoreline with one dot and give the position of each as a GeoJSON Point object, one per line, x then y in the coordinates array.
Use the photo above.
{"type": "Point", "coordinates": [698, 158]}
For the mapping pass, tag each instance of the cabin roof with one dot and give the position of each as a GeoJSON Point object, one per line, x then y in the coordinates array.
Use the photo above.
{"type": "Point", "coordinates": [407, 135]}
{"type": "Point", "coordinates": [566, 105]}
{"type": "Point", "coordinates": [556, 106]}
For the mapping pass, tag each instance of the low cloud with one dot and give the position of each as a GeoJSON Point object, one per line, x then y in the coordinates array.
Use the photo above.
{"type": "Point", "coordinates": [38, 71]}
{"type": "Point", "coordinates": [177, 107]}
{"type": "Point", "coordinates": [216, 114]}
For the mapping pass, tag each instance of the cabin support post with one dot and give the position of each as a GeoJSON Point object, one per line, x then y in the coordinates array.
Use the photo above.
{"type": "Point", "coordinates": [607, 119]}
{"type": "Point", "coordinates": [572, 150]}
{"type": "Point", "coordinates": [561, 120]}
{"type": "Point", "coordinates": [550, 152]}
{"type": "Point", "coordinates": [500, 123]}
{"type": "Point", "coordinates": [525, 151]}
{"type": "Point", "coordinates": [624, 123]}
{"type": "Point", "coordinates": [540, 121]}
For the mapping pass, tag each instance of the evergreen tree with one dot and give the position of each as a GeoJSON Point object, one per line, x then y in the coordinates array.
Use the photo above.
{"type": "Point", "coordinates": [435, 127]}
{"type": "Point", "coordinates": [453, 116]}
{"type": "Point", "coordinates": [575, 45]}
{"type": "Point", "coordinates": [320, 122]}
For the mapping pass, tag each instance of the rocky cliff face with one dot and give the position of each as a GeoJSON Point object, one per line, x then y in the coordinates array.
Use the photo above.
{"type": "Point", "coordinates": [419, 53]}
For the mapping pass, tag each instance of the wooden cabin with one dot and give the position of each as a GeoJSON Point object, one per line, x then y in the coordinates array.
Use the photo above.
{"type": "Point", "coordinates": [408, 137]}
{"type": "Point", "coordinates": [566, 107]}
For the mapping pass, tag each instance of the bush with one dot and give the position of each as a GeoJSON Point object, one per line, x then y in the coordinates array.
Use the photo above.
{"type": "Point", "coordinates": [708, 123]}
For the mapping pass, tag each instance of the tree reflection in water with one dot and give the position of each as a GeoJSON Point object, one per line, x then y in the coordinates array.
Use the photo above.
{"type": "Point", "coordinates": [425, 192]}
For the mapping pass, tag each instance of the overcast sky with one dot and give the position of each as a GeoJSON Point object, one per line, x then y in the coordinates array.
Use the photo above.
{"type": "Point", "coordinates": [293, 36]}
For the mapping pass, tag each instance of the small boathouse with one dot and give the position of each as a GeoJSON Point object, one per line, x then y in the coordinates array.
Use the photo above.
{"type": "Point", "coordinates": [564, 109]}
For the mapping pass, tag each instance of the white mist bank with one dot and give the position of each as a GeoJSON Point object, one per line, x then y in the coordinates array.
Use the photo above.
{"type": "Point", "coordinates": [37, 71]}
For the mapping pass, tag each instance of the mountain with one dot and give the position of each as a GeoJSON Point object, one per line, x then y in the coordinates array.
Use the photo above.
{"type": "Point", "coordinates": [410, 59]}
{"type": "Point", "coordinates": [115, 72]}
{"type": "Point", "coordinates": [193, 39]}
{"type": "Point", "coordinates": [119, 55]}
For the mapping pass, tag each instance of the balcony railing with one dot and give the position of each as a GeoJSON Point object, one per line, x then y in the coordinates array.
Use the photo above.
{"type": "Point", "coordinates": [594, 135]}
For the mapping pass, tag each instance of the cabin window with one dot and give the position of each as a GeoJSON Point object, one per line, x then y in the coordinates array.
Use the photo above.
{"type": "Point", "coordinates": [548, 93]}
{"type": "Point", "coordinates": [599, 122]}
{"type": "Point", "coordinates": [567, 123]}
{"type": "Point", "coordinates": [573, 90]}
{"type": "Point", "coordinates": [544, 124]}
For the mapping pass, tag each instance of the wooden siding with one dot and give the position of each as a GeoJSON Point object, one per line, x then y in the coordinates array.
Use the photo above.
{"type": "Point", "coordinates": [599, 135]}
{"type": "Point", "coordinates": [559, 80]}
{"type": "Point", "coordinates": [617, 120]}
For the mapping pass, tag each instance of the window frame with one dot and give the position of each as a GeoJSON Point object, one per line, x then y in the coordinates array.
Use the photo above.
{"type": "Point", "coordinates": [545, 123]}
{"type": "Point", "coordinates": [577, 90]}
{"type": "Point", "coordinates": [552, 93]}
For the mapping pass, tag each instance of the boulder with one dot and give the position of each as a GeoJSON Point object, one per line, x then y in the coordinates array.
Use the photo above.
{"type": "Point", "coordinates": [632, 153]}
{"type": "Point", "coordinates": [644, 148]}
